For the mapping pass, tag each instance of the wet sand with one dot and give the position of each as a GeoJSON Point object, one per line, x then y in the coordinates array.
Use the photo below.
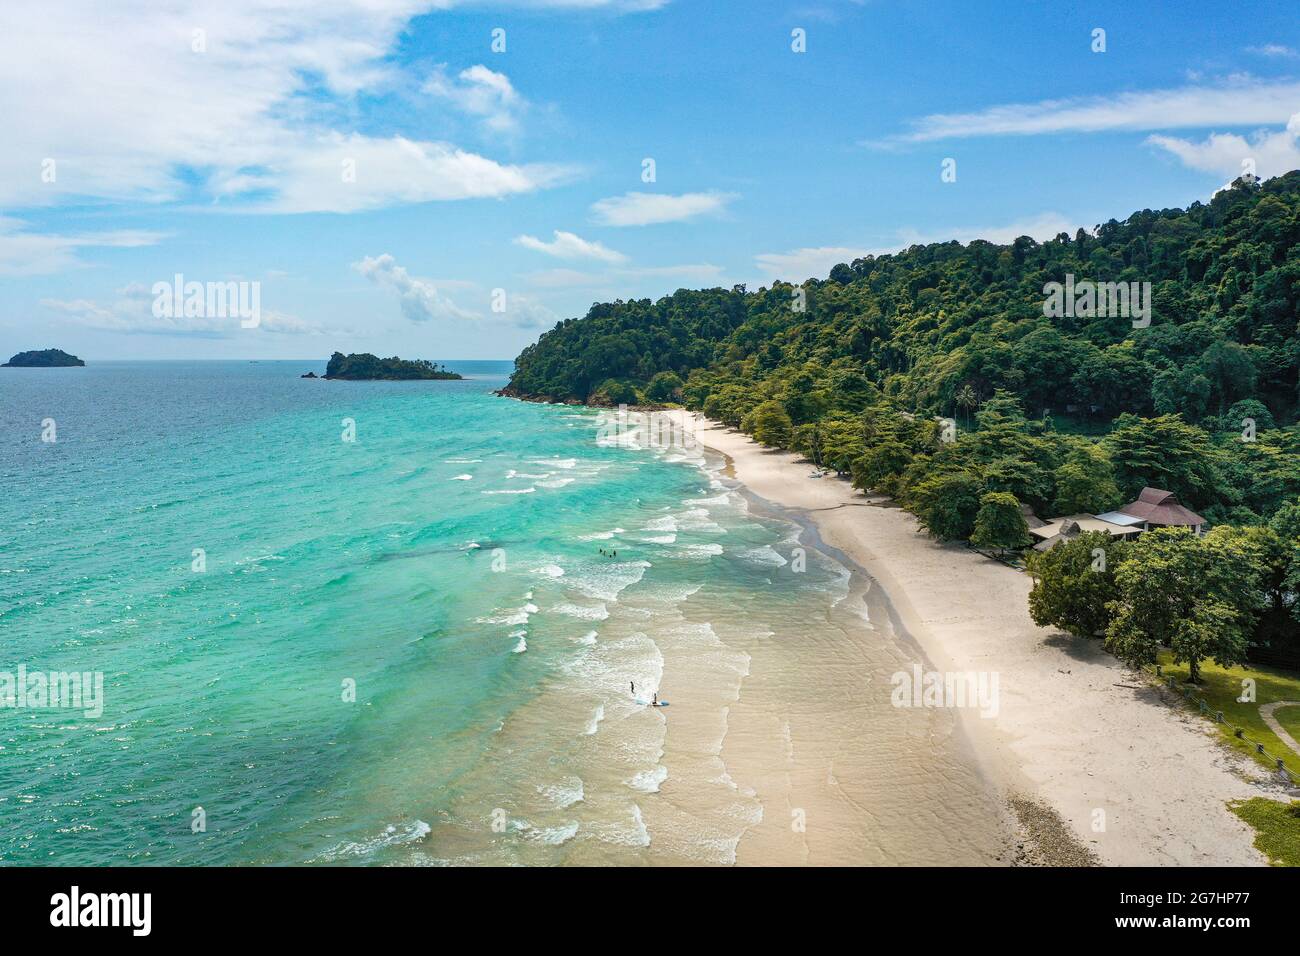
{"type": "Point", "coordinates": [1134, 781]}
{"type": "Point", "coordinates": [844, 777]}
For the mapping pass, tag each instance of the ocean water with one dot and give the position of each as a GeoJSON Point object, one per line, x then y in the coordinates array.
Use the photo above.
{"type": "Point", "coordinates": [408, 648]}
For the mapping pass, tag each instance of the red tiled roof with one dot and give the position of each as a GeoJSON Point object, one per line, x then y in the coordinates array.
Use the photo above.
{"type": "Point", "coordinates": [1157, 506]}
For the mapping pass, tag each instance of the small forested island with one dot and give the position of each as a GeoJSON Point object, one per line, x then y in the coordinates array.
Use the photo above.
{"type": "Point", "coordinates": [43, 358]}
{"type": "Point", "coordinates": [362, 366]}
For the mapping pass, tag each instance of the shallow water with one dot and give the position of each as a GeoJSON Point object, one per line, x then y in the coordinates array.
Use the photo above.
{"type": "Point", "coordinates": [447, 563]}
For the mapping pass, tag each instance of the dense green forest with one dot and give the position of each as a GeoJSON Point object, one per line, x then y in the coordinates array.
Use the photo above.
{"type": "Point", "coordinates": [936, 376]}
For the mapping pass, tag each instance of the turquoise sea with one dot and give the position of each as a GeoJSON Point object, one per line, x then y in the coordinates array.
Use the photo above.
{"type": "Point", "coordinates": [203, 535]}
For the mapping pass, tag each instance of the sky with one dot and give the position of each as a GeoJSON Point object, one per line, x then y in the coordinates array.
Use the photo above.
{"type": "Point", "coordinates": [447, 179]}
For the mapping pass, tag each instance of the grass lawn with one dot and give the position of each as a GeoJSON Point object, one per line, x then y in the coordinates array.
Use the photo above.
{"type": "Point", "coordinates": [1276, 825]}
{"type": "Point", "coordinates": [1289, 718]}
{"type": "Point", "coordinates": [1221, 688]}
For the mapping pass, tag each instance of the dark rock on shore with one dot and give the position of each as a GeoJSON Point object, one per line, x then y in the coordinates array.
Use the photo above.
{"type": "Point", "coordinates": [508, 392]}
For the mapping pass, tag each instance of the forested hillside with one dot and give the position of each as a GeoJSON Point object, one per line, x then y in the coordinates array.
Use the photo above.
{"type": "Point", "coordinates": [887, 343]}
{"type": "Point", "coordinates": [936, 376]}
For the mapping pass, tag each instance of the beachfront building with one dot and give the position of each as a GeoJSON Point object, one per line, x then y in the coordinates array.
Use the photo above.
{"type": "Point", "coordinates": [1031, 520]}
{"type": "Point", "coordinates": [1063, 529]}
{"type": "Point", "coordinates": [1156, 508]}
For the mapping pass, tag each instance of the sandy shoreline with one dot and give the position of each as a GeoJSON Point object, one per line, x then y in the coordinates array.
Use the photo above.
{"type": "Point", "coordinates": [1136, 781]}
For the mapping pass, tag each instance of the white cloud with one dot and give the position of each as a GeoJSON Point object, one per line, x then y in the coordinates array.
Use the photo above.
{"type": "Point", "coordinates": [807, 263]}
{"type": "Point", "coordinates": [643, 209]}
{"type": "Point", "coordinates": [421, 301]}
{"type": "Point", "coordinates": [1041, 227]}
{"type": "Point", "coordinates": [1223, 154]}
{"type": "Point", "coordinates": [390, 171]}
{"type": "Point", "coordinates": [566, 245]}
{"type": "Point", "coordinates": [573, 278]}
{"type": "Point", "coordinates": [616, 6]}
{"type": "Point", "coordinates": [798, 265]}
{"type": "Point", "coordinates": [131, 311]}
{"type": "Point", "coordinates": [419, 298]}
{"type": "Point", "coordinates": [33, 253]}
{"type": "Point", "coordinates": [527, 313]}
{"type": "Point", "coordinates": [199, 100]}
{"type": "Point", "coordinates": [91, 314]}
{"type": "Point", "coordinates": [700, 272]}
{"type": "Point", "coordinates": [1272, 49]}
{"type": "Point", "coordinates": [564, 278]}
{"type": "Point", "coordinates": [285, 324]}
{"type": "Point", "coordinates": [1241, 102]}
{"type": "Point", "coordinates": [481, 93]}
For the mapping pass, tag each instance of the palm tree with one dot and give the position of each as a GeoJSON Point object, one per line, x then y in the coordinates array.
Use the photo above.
{"type": "Point", "coordinates": [967, 398]}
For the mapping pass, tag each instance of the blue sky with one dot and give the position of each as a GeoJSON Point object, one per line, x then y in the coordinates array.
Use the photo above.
{"type": "Point", "coordinates": [211, 141]}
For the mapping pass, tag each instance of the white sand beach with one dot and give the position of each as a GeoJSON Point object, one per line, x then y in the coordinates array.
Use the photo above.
{"type": "Point", "coordinates": [1137, 781]}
